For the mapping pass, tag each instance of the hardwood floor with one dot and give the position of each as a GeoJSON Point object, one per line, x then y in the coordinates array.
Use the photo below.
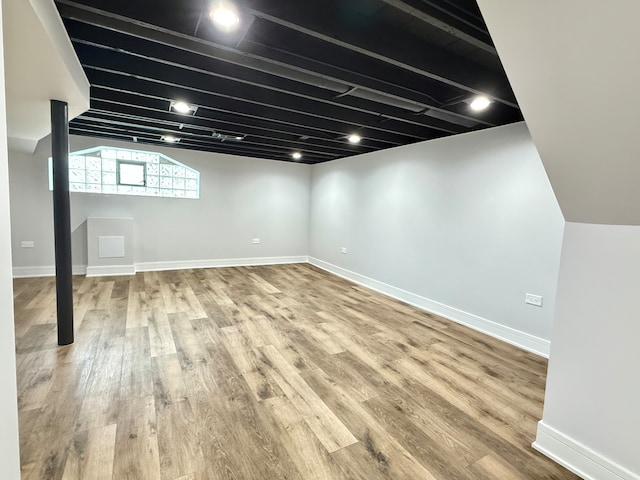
{"type": "Point", "coordinates": [277, 372]}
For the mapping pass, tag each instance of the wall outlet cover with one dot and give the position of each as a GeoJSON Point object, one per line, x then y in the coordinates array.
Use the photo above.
{"type": "Point", "coordinates": [532, 299]}
{"type": "Point", "coordinates": [255, 241]}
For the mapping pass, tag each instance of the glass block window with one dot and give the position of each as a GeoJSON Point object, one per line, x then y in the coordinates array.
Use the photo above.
{"type": "Point", "coordinates": [118, 171]}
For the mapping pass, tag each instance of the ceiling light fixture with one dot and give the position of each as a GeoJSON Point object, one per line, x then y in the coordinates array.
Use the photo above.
{"type": "Point", "coordinates": [480, 103]}
{"type": "Point", "coordinates": [184, 108]}
{"type": "Point", "coordinates": [169, 139]}
{"type": "Point", "coordinates": [296, 155]}
{"type": "Point", "coordinates": [225, 16]}
{"type": "Point", "coordinates": [354, 138]}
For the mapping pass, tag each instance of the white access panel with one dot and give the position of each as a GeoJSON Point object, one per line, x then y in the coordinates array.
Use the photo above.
{"type": "Point", "coordinates": [111, 247]}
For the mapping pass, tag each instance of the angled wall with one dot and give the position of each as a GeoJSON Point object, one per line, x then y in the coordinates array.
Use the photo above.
{"type": "Point", "coordinates": [573, 67]}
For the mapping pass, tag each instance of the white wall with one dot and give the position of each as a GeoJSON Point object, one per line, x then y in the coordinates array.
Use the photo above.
{"type": "Point", "coordinates": [568, 63]}
{"type": "Point", "coordinates": [9, 456]}
{"type": "Point", "coordinates": [596, 336]}
{"type": "Point", "coordinates": [468, 221]}
{"type": "Point", "coordinates": [240, 199]}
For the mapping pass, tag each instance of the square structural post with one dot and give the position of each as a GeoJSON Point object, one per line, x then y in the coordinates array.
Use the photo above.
{"type": "Point", "coordinates": [62, 219]}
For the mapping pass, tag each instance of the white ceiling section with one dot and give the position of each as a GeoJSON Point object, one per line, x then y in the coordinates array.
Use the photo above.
{"type": "Point", "coordinates": [576, 82]}
{"type": "Point", "coordinates": [40, 65]}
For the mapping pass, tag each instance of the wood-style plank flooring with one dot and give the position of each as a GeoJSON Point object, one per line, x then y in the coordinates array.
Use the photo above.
{"type": "Point", "coordinates": [276, 372]}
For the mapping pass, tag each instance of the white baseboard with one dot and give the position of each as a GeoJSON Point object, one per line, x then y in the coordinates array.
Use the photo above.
{"type": "Point", "coordinates": [218, 263]}
{"type": "Point", "coordinates": [576, 457]}
{"type": "Point", "coordinates": [46, 271]}
{"type": "Point", "coordinates": [50, 271]}
{"type": "Point", "coordinates": [110, 270]}
{"type": "Point", "coordinates": [515, 337]}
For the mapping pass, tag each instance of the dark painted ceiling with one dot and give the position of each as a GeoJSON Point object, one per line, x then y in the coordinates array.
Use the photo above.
{"type": "Point", "coordinates": [294, 76]}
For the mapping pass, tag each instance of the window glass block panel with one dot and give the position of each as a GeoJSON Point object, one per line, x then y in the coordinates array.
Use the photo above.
{"type": "Point", "coordinates": [153, 181]}
{"type": "Point", "coordinates": [166, 170]}
{"type": "Point", "coordinates": [100, 169]}
{"type": "Point", "coordinates": [94, 177]}
{"type": "Point", "coordinates": [178, 171]}
{"type": "Point", "coordinates": [108, 165]}
{"type": "Point", "coordinates": [123, 155]}
{"type": "Point", "coordinates": [76, 162]}
{"type": "Point", "coordinates": [94, 163]}
{"type": "Point", "coordinates": [108, 178]}
{"type": "Point", "coordinates": [77, 176]}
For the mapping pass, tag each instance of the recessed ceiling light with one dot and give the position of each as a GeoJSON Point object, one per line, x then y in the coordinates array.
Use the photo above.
{"type": "Point", "coordinates": [480, 103]}
{"type": "Point", "coordinates": [239, 138]}
{"type": "Point", "coordinates": [296, 155]}
{"type": "Point", "coordinates": [169, 139]}
{"type": "Point", "coordinates": [182, 107]}
{"type": "Point", "coordinates": [354, 138]}
{"type": "Point", "coordinates": [225, 16]}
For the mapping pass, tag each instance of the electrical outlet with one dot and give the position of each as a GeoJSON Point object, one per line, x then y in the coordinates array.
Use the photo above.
{"type": "Point", "coordinates": [255, 241]}
{"type": "Point", "coordinates": [27, 244]}
{"type": "Point", "coordinates": [343, 250]}
{"type": "Point", "coordinates": [532, 299]}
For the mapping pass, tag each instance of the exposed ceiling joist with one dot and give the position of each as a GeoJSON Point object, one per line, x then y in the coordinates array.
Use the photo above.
{"type": "Point", "coordinates": [293, 76]}
{"type": "Point", "coordinates": [445, 21]}
{"type": "Point", "coordinates": [186, 84]}
{"type": "Point", "coordinates": [260, 58]}
{"type": "Point", "coordinates": [205, 134]}
{"type": "Point", "coordinates": [107, 95]}
{"type": "Point", "coordinates": [450, 73]}
{"type": "Point", "coordinates": [243, 83]}
{"type": "Point", "coordinates": [144, 138]}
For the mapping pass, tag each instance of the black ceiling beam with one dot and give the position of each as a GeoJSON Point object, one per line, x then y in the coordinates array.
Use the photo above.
{"type": "Point", "coordinates": [429, 12]}
{"type": "Point", "coordinates": [199, 125]}
{"type": "Point", "coordinates": [206, 135]}
{"type": "Point", "coordinates": [384, 91]}
{"type": "Point", "coordinates": [232, 148]}
{"type": "Point", "coordinates": [129, 105]}
{"type": "Point", "coordinates": [230, 75]}
{"type": "Point", "coordinates": [183, 81]}
{"type": "Point", "coordinates": [433, 63]}
{"type": "Point", "coordinates": [109, 86]}
{"type": "Point", "coordinates": [150, 141]}
{"type": "Point", "coordinates": [259, 58]}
